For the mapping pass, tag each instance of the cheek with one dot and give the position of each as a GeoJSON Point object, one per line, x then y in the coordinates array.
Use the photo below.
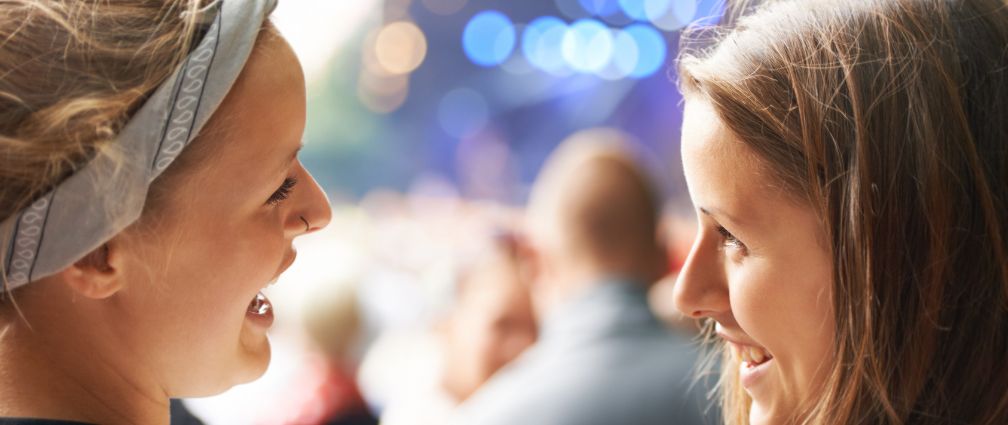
{"type": "Point", "coordinates": [786, 307]}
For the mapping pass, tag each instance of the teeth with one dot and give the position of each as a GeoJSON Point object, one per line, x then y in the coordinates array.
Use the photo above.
{"type": "Point", "coordinates": [744, 355]}
{"type": "Point", "coordinates": [751, 356]}
{"type": "Point", "coordinates": [756, 354]}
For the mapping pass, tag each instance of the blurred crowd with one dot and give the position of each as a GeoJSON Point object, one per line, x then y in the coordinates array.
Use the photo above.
{"type": "Point", "coordinates": [428, 309]}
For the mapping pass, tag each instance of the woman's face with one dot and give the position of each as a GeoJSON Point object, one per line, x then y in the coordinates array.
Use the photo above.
{"type": "Point", "coordinates": [759, 267]}
{"type": "Point", "coordinates": [221, 232]}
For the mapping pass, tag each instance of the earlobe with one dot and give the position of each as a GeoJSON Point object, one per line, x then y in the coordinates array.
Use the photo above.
{"type": "Point", "coordinates": [98, 275]}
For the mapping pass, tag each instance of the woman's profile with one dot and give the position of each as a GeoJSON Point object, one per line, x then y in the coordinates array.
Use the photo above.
{"type": "Point", "coordinates": [149, 189]}
{"type": "Point", "coordinates": [848, 161]}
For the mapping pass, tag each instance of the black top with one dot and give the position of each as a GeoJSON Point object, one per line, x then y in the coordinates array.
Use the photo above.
{"type": "Point", "coordinates": [179, 416]}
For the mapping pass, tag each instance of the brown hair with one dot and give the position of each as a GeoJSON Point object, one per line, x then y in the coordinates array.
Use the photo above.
{"type": "Point", "coordinates": [889, 118]}
{"type": "Point", "coordinates": [71, 74]}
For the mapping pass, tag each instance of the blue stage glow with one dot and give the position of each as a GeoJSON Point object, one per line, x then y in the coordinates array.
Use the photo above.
{"type": "Point", "coordinates": [489, 38]}
{"type": "Point", "coordinates": [587, 45]}
{"type": "Point", "coordinates": [600, 7]}
{"type": "Point", "coordinates": [624, 59]}
{"type": "Point", "coordinates": [463, 112]}
{"type": "Point", "coordinates": [541, 43]}
{"type": "Point", "coordinates": [651, 50]}
{"type": "Point", "coordinates": [670, 15]}
{"type": "Point", "coordinates": [635, 8]}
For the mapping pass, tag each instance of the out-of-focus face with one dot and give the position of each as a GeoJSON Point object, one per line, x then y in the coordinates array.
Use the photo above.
{"type": "Point", "coordinates": [491, 325]}
{"type": "Point", "coordinates": [188, 318]}
{"type": "Point", "coordinates": [760, 267]}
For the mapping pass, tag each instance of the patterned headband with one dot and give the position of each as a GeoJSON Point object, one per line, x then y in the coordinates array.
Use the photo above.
{"type": "Point", "coordinates": [108, 194]}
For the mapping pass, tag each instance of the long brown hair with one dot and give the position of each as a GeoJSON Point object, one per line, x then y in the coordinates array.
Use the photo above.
{"type": "Point", "coordinates": [889, 118]}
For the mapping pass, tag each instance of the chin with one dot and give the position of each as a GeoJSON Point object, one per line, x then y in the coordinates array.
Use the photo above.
{"type": "Point", "coordinates": [246, 365]}
{"type": "Point", "coordinates": [253, 362]}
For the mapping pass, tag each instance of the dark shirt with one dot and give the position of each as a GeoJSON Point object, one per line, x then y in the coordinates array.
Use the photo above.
{"type": "Point", "coordinates": [179, 416]}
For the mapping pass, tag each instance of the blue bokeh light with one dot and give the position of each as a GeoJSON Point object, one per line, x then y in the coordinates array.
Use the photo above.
{"type": "Point", "coordinates": [624, 57]}
{"type": "Point", "coordinates": [651, 50]}
{"type": "Point", "coordinates": [670, 15]}
{"type": "Point", "coordinates": [489, 38]}
{"type": "Point", "coordinates": [587, 45]}
{"type": "Point", "coordinates": [635, 8]}
{"type": "Point", "coordinates": [600, 7]}
{"type": "Point", "coordinates": [541, 42]}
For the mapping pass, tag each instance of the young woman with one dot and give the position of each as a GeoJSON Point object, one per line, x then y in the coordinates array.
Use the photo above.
{"type": "Point", "coordinates": [149, 189]}
{"type": "Point", "coordinates": [848, 161]}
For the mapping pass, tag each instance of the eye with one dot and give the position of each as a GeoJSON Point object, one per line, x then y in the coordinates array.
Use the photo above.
{"type": "Point", "coordinates": [730, 240]}
{"type": "Point", "coordinates": [283, 192]}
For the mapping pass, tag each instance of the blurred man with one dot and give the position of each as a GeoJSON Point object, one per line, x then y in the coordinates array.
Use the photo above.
{"type": "Point", "coordinates": [492, 322]}
{"type": "Point", "coordinates": [489, 324]}
{"type": "Point", "coordinates": [602, 356]}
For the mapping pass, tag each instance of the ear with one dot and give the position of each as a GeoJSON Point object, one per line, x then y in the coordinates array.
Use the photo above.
{"type": "Point", "coordinates": [530, 264]}
{"type": "Point", "coordinates": [99, 274]}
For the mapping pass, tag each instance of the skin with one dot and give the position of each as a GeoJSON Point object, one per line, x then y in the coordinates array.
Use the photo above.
{"type": "Point", "coordinates": [491, 326]}
{"type": "Point", "coordinates": [160, 310]}
{"type": "Point", "coordinates": [589, 173]}
{"type": "Point", "coordinates": [766, 279]}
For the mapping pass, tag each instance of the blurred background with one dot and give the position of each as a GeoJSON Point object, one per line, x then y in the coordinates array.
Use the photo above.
{"type": "Point", "coordinates": [428, 120]}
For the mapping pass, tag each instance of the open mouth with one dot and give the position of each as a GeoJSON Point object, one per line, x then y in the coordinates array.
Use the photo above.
{"type": "Point", "coordinates": [260, 305]}
{"type": "Point", "coordinates": [260, 309]}
{"type": "Point", "coordinates": [750, 356]}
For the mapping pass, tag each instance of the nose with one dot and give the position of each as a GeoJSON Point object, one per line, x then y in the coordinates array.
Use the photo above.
{"type": "Point", "coordinates": [312, 212]}
{"type": "Point", "coordinates": [701, 289]}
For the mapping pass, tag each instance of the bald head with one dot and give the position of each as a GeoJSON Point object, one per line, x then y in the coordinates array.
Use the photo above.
{"type": "Point", "coordinates": [594, 206]}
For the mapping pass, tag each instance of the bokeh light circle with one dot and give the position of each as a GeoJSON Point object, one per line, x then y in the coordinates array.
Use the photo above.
{"type": "Point", "coordinates": [489, 38]}
{"type": "Point", "coordinates": [624, 58]}
{"type": "Point", "coordinates": [651, 50]}
{"type": "Point", "coordinates": [670, 15]}
{"type": "Point", "coordinates": [541, 42]}
{"type": "Point", "coordinates": [587, 45]}
{"type": "Point", "coordinates": [400, 47]}
{"type": "Point", "coordinates": [600, 7]}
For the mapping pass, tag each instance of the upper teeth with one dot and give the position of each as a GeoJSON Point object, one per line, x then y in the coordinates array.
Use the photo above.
{"type": "Point", "coordinates": [752, 355]}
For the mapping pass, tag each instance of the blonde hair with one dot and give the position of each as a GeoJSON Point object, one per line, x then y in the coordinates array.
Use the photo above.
{"type": "Point", "coordinates": [71, 74]}
{"type": "Point", "coordinates": [888, 118]}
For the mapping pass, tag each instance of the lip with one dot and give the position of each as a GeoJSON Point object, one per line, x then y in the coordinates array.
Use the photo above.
{"type": "Point", "coordinates": [749, 376]}
{"type": "Point", "coordinates": [263, 321]}
{"type": "Point", "coordinates": [266, 320]}
{"type": "Point", "coordinates": [720, 331]}
{"type": "Point", "coordinates": [287, 263]}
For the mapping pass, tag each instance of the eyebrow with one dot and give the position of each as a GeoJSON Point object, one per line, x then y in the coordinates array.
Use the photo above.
{"type": "Point", "coordinates": [714, 212]}
{"type": "Point", "coordinates": [292, 157]}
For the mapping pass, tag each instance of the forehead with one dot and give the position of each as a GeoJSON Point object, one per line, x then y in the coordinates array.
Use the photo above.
{"type": "Point", "coordinates": [262, 117]}
{"type": "Point", "coordinates": [721, 172]}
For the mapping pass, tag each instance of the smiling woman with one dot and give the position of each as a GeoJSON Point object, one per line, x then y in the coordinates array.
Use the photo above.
{"type": "Point", "coordinates": [147, 197]}
{"type": "Point", "coordinates": [847, 161]}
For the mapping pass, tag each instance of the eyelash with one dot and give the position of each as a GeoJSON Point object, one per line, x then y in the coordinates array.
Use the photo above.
{"type": "Point", "coordinates": [283, 192]}
{"type": "Point", "coordinates": [730, 240]}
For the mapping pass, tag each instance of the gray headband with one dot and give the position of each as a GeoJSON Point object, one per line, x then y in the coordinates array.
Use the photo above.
{"type": "Point", "coordinates": [108, 194]}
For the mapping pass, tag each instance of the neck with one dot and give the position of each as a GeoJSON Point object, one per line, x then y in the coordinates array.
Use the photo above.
{"type": "Point", "coordinates": [53, 379]}
{"type": "Point", "coordinates": [562, 284]}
